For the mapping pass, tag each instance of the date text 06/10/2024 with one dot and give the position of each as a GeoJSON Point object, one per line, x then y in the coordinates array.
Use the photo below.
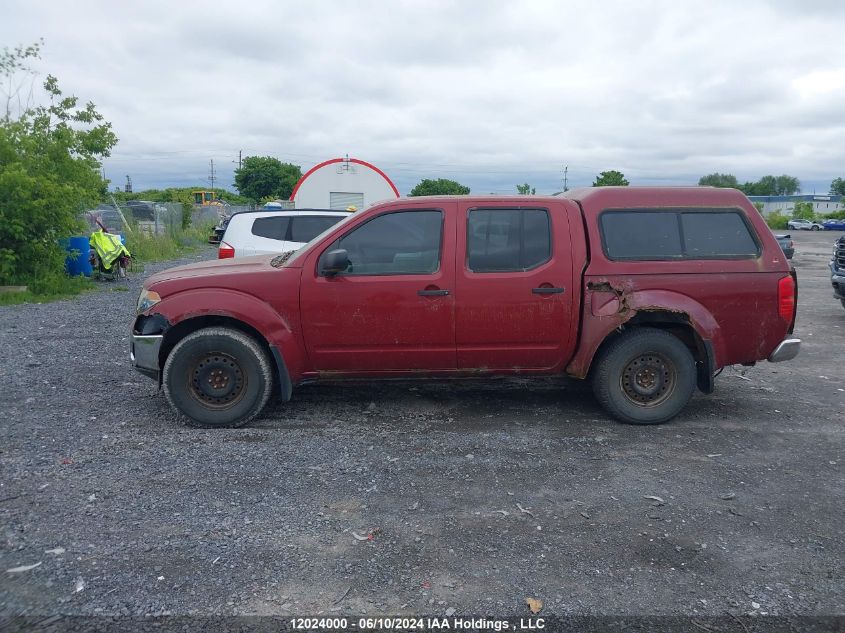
{"type": "Point", "coordinates": [419, 624]}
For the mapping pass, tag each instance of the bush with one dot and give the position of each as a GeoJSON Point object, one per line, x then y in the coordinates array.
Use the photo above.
{"type": "Point", "coordinates": [777, 221]}
{"type": "Point", "coordinates": [49, 172]}
{"type": "Point", "coordinates": [803, 211]}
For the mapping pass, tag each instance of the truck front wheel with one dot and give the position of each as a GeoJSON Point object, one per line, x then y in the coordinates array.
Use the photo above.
{"type": "Point", "coordinates": [217, 377]}
{"type": "Point", "coordinates": [646, 376]}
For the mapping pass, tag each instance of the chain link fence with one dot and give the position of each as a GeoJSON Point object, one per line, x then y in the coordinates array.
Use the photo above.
{"type": "Point", "coordinates": [157, 218]}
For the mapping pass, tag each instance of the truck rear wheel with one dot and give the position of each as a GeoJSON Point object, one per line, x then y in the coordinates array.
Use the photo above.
{"type": "Point", "coordinates": [644, 377]}
{"type": "Point", "coordinates": [217, 377]}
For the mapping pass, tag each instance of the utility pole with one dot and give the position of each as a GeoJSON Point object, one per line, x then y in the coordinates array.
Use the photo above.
{"type": "Point", "coordinates": [211, 178]}
{"type": "Point", "coordinates": [565, 177]}
{"type": "Point", "coordinates": [240, 157]}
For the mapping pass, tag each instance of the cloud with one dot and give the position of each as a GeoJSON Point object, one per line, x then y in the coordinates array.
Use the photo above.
{"type": "Point", "coordinates": [490, 93]}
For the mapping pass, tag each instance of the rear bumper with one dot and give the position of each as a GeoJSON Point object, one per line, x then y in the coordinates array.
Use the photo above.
{"type": "Point", "coordinates": [786, 350]}
{"type": "Point", "coordinates": [143, 352]}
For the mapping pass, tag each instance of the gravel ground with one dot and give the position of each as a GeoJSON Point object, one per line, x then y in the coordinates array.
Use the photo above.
{"type": "Point", "coordinates": [469, 497]}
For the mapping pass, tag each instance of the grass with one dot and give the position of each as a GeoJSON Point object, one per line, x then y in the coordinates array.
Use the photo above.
{"type": "Point", "coordinates": [149, 248]}
{"type": "Point", "coordinates": [54, 289]}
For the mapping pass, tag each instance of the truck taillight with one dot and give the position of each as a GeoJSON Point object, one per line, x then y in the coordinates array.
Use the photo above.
{"type": "Point", "coordinates": [225, 251]}
{"type": "Point", "coordinates": [786, 298]}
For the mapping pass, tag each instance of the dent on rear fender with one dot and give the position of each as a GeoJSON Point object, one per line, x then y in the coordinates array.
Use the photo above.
{"type": "Point", "coordinates": [613, 304]}
{"type": "Point", "coordinates": [619, 301]}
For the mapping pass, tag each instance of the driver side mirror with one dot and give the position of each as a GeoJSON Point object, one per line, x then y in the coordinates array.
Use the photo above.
{"type": "Point", "coordinates": [335, 262]}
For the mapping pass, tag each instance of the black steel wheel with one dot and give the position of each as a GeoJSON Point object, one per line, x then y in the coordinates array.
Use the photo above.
{"type": "Point", "coordinates": [649, 379]}
{"type": "Point", "coordinates": [646, 376]}
{"type": "Point", "coordinates": [217, 377]}
{"type": "Point", "coordinates": [217, 380]}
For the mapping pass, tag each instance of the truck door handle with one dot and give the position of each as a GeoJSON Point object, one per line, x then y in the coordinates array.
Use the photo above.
{"type": "Point", "coordinates": [432, 293]}
{"type": "Point", "coordinates": [547, 291]}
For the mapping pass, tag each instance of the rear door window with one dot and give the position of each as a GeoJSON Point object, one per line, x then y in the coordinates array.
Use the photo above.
{"type": "Point", "coordinates": [507, 240]}
{"type": "Point", "coordinates": [274, 228]}
{"type": "Point", "coordinates": [305, 228]}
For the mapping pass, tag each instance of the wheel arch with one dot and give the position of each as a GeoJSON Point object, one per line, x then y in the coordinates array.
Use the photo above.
{"type": "Point", "coordinates": [281, 376]}
{"type": "Point", "coordinates": [681, 327]}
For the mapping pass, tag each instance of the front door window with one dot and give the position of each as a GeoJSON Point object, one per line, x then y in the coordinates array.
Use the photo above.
{"type": "Point", "coordinates": [400, 243]}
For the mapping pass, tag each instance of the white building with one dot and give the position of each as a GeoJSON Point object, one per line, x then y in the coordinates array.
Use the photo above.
{"type": "Point", "coordinates": [341, 183]}
{"type": "Point", "coordinates": [822, 204]}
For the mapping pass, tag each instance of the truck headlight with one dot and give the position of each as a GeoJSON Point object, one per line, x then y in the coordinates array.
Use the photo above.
{"type": "Point", "coordinates": [147, 300]}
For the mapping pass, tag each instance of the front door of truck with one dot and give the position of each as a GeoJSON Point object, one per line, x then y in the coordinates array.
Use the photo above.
{"type": "Point", "coordinates": [393, 308]}
{"type": "Point", "coordinates": [513, 286]}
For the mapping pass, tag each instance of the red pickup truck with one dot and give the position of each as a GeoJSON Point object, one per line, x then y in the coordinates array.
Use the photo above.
{"type": "Point", "coordinates": [648, 292]}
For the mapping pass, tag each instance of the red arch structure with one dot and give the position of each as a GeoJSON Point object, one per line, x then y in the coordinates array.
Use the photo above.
{"type": "Point", "coordinates": [340, 160]}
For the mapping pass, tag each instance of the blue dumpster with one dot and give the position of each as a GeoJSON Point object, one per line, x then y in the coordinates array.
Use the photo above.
{"type": "Point", "coordinates": [76, 262]}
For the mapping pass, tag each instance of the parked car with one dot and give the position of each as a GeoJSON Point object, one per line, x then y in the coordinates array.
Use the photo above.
{"type": "Point", "coordinates": [142, 210]}
{"type": "Point", "coordinates": [786, 244]}
{"type": "Point", "coordinates": [647, 291]}
{"type": "Point", "coordinates": [268, 231]}
{"type": "Point", "coordinates": [804, 225]}
{"type": "Point", "coordinates": [837, 270]}
{"type": "Point", "coordinates": [834, 225]}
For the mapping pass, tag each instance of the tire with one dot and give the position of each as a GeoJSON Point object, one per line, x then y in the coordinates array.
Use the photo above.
{"type": "Point", "coordinates": [646, 376]}
{"type": "Point", "coordinates": [814, 228]}
{"type": "Point", "coordinates": [217, 378]}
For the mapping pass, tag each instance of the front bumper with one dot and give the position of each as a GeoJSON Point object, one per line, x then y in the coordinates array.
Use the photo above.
{"type": "Point", "coordinates": [786, 350]}
{"type": "Point", "coordinates": [143, 352]}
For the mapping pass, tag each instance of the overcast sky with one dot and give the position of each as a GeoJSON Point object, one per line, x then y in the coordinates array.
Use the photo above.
{"type": "Point", "coordinates": [488, 93]}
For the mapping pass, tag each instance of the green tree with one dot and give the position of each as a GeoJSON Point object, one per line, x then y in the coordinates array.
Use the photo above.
{"type": "Point", "coordinates": [526, 190]}
{"type": "Point", "coordinates": [611, 178]}
{"type": "Point", "coordinates": [772, 186]}
{"type": "Point", "coordinates": [49, 172]}
{"type": "Point", "coordinates": [439, 187]}
{"type": "Point", "coordinates": [787, 185]}
{"type": "Point", "coordinates": [262, 176]}
{"type": "Point", "coordinates": [719, 180]}
{"type": "Point", "coordinates": [837, 187]}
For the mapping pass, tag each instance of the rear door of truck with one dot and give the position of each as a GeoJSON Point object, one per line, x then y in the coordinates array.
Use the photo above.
{"type": "Point", "coordinates": [517, 293]}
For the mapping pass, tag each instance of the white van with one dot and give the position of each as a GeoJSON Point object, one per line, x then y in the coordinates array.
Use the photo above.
{"type": "Point", "coordinates": [265, 232]}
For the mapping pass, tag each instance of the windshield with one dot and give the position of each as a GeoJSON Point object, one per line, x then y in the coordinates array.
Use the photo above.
{"type": "Point", "coordinates": [306, 246]}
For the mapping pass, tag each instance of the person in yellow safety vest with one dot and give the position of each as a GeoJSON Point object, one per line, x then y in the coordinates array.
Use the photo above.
{"type": "Point", "coordinates": [109, 248]}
